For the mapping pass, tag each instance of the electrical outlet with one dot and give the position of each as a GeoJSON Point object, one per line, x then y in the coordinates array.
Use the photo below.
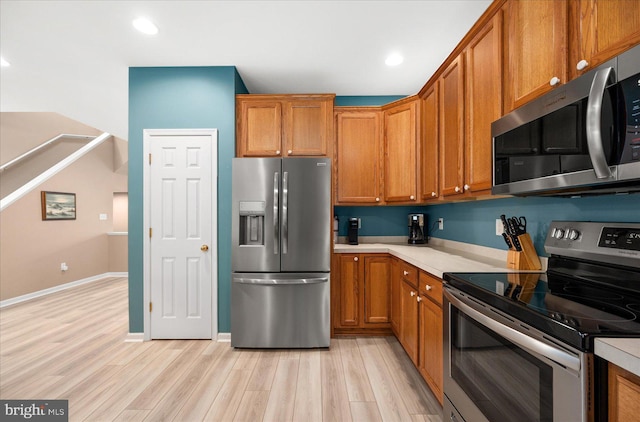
{"type": "Point", "coordinates": [499, 227]}
{"type": "Point", "coordinates": [63, 266]}
{"type": "Point", "coordinates": [440, 223]}
{"type": "Point", "coordinates": [359, 223]}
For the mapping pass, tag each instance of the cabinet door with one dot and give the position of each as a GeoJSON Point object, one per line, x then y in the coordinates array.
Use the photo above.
{"type": "Point", "coordinates": [483, 103]}
{"type": "Point", "coordinates": [377, 289]}
{"type": "Point", "coordinates": [429, 147]}
{"type": "Point", "coordinates": [308, 127]}
{"type": "Point", "coordinates": [358, 162]}
{"type": "Point", "coordinates": [349, 290]}
{"type": "Point", "coordinates": [604, 29]}
{"type": "Point", "coordinates": [430, 360]}
{"type": "Point", "coordinates": [452, 128]}
{"type": "Point", "coordinates": [259, 128]}
{"type": "Point", "coordinates": [409, 321]}
{"type": "Point", "coordinates": [400, 172]}
{"type": "Point", "coordinates": [624, 395]}
{"type": "Point", "coordinates": [396, 298]}
{"type": "Point", "coordinates": [535, 49]}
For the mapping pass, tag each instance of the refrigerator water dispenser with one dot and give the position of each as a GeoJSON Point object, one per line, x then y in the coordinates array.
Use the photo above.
{"type": "Point", "coordinates": [251, 223]}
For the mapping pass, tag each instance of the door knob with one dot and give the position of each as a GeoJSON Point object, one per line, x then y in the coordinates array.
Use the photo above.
{"type": "Point", "coordinates": [204, 248]}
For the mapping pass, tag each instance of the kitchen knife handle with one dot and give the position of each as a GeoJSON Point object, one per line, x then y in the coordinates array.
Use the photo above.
{"type": "Point", "coordinates": [285, 212]}
{"type": "Point", "coordinates": [276, 213]}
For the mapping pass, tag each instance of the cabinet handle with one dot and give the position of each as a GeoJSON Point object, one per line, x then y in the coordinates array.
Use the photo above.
{"type": "Point", "coordinates": [433, 194]}
{"type": "Point", "coordinates": [377, 199]}
{"type": "Point", "coordinates": [466, 187]}
{"type": "Point", "coordinates": [412, 197]}
{"type": "Point", "coordinates": [418, 298]}
{"type": "Point", "coordinates": [355, 258]}
{"type": "Point", "coordinates": [582, 64]}
{"type": "Point", "coordinates": [277, 152]}
{"type": "Point", "coordinates": [405, 272]}
{"type": "Point", "coordinates": [290, 151]}
{"type": "Point", "coordinates": [428, 287]}
{"type": "Point", "coordinates": [413, 293]}
{"type": "Point", "coordinates": [457, 189]}
{"type": "Point", "coordinates": [554, 81]}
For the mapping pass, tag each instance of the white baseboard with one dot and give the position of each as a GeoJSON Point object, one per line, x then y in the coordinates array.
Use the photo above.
{"type": "Point", "coordinates": [134, 338]}
{"type": "Point", "coordinates": [224, 337]}
{"type": "Point", "coordinates": [40, 293]}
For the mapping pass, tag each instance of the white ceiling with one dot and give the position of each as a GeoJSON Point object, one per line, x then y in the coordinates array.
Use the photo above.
{"type": "Point", "coordinates": [72, 57]}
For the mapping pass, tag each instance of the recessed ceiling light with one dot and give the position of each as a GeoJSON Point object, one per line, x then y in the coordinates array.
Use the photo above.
{"type": "Point", "coordinates": [394, 60]}
{"type": "Point", "coordinates": [145, 26]}
{"type": "Point", "coordinates": [4, 63]}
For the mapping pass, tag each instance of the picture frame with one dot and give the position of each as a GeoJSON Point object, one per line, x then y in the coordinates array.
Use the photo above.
{"type": "Point", "coordinates": [58, 206]}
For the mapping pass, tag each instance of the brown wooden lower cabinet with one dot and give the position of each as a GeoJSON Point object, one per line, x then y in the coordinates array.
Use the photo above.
{"type": "Point", "coordinates": [624, 395]}
{"type": "Point", "coordinates": [430, 363]}
{"type": "Point", "coordinates": [377, 294]}
{"type": "Point", "coordinates": [361, 298]}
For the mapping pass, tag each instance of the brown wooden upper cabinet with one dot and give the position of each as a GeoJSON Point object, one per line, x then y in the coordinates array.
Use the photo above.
{"type": "Point", "coordinates": [451, 112]}
{"type": "Point", "coordinates": [470, 92]}
{"type": "Point", "coordinates": [483, 96]}
{"type": "Point", "coordinates": [400, 150]}
{"type": "Point", "coordinates": [535, 49]}
{"type": "Point", "coordinates": [548, 43]}
{"type": "Point", "coordinates": [358, 153]}
{"type": "Point", "coordinates": [600, 30]}
{"type": "Point", "coordinates": [429, 170]}
{"type": "Point", "coordinates": [284, 125]}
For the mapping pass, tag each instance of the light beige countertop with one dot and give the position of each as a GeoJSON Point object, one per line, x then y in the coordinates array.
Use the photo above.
{"type": "Point", "coordinates": [624, 352]}
{"type": "Point", "coordinates": [439, 256]}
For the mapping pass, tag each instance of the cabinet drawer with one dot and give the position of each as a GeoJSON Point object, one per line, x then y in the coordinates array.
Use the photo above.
{"type": "Point", "coordinates": [408, 272]}
{"type": "Point", "coordinates": [431, 287]}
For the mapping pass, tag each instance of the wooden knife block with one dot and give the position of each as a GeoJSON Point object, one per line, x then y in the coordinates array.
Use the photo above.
{"type": "Point", "coordinates": [527, 259]}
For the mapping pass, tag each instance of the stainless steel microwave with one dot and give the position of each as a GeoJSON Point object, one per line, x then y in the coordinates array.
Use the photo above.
{"type": "Point", "coordinates": [583, 137]}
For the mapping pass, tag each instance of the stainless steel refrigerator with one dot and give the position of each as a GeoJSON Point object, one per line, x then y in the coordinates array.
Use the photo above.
{"type": "Point", "coordinates": [281, 228]}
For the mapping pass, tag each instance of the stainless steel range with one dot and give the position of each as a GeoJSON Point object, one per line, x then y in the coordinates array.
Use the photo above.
{"type": "Point", "coordinates": [519, 346]}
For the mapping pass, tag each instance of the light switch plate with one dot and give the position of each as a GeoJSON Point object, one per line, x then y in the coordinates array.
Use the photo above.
{"type": "Point", "coordinates": [103, 217]}
{"type": "Point", "coordinates": [499, 227]}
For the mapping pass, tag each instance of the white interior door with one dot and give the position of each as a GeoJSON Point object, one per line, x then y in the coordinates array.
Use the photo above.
{"type": "Point", "coordinates": [182, 236]}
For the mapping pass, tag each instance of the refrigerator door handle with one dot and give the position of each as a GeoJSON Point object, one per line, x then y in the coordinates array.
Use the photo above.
{"type": "Point", "coordinates": [285, 212]}
{"type": "Point", "coordinates": [279, 281]}
{"type": "Point", "coordinates": [276, 213]}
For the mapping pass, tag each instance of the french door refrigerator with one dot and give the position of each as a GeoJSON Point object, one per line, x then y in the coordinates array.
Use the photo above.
{"type": "Point", "coordinates": [281, 228]}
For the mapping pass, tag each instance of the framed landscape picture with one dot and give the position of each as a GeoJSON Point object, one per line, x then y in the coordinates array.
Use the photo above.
{"type": "Point", "coordinates": [58, 206]}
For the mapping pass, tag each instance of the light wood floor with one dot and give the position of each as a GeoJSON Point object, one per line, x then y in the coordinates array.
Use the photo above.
{"type": "Point", "coordinates": [70, 345]}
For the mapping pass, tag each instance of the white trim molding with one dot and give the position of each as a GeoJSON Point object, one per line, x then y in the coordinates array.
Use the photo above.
{"type": "Point", "coordinates": [134, 338]}
{"type": "Point", "coordinates": [54, 289]}
{"type": "Point", "coordinates": [224, 338]}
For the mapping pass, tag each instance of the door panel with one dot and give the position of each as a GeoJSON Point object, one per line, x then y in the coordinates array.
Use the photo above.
{"type": "Point", "coordinates": [182, 246]}
{"type": "Point", "coordinates": [255, 218]}
{"type": "Point", "coordinates": [306, 214]}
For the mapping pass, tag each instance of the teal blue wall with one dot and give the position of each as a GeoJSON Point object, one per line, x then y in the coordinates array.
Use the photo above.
{"type": "Point", "coordinates": [474, 222]}
{"type": "Point", "coordinates": [181, 97]}
{"type": "Point", "coordinates": [365, 100]}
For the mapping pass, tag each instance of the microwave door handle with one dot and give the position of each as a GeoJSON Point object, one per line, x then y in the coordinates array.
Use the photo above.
{"type": "Point", "coordinates": [594, 129]}
{"type": "Point", "coordinates": [276, 213]}
{"type": "Point", "coordinates": [526, 342]}
{"type": "Point", "coordinates": [285, 212]}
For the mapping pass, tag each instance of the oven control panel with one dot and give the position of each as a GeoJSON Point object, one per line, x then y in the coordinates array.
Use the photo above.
{"type": "Point", "coordinates": [620, 238]}
{"type": "Point", "coordinates": [615, 243]}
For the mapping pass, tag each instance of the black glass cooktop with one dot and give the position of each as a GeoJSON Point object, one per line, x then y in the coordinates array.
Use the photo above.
{"type": "Point", "coordinates": [575, 309]}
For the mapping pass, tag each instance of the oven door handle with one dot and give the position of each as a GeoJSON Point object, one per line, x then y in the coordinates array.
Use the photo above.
{"type": "Point", "coordinates": [559, 356]}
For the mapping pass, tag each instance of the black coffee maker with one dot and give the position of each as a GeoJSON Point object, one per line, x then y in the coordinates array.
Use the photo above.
{"type": "Point", "coordinates": [352, 234]}
{"type": "Point", "coordinates": [416, 229]}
